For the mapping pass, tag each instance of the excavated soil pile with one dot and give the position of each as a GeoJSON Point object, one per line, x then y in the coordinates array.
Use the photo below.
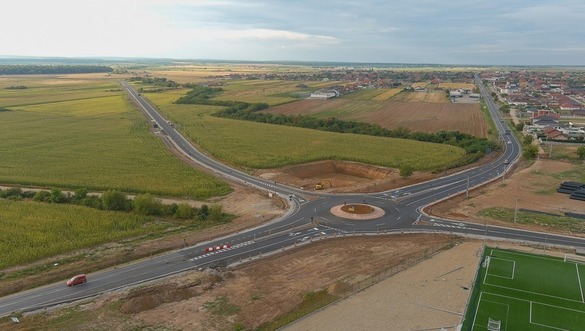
{"type": "Point", "coordinates": [341, 177]}
{"type": "Point", "coordinates": [323, 168]}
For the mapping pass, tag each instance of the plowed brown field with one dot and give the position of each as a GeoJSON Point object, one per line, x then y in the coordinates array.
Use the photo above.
{"type": "Point", "coordinates": [429, 117]}
{"type": "Point", "coordinates": [416, 116]}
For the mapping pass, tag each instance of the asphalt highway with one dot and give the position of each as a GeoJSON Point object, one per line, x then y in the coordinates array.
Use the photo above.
{"type": "Point", "coordinates": [308, 219]}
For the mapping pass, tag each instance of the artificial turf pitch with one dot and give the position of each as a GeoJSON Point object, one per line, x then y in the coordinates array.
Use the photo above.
{"type": "Point", "coordinates": [527, 292]}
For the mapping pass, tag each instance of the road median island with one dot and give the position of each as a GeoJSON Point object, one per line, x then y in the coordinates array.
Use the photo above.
{"type": "Point", "coordinates": [360, 212]}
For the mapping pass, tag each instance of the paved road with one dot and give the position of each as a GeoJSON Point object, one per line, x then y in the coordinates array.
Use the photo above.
{"type": "Point", "coordinates": [308, 219]}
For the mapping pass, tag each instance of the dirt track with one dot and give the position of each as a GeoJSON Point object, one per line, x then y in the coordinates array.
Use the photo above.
{"type": "Point", "coordinates": [430, 295]}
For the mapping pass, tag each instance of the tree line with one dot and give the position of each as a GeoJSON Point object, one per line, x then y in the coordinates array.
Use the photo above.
{"type": "Point", "coordinates": [142, 204]}
{"type": "Point", "coordinates": [30, 69]}
{"type": "Point", "coordinates": [155, 81]}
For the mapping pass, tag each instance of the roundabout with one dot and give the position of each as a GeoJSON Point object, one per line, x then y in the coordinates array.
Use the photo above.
{"type": "Point", "coordinates": [357, 211]}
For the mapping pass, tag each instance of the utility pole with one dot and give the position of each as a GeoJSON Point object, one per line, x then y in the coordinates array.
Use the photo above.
{"type": "Point", "coordinates": [485, 234]}
{"type": "Point", "coordinates": [516, 211]}
{"type": "Point", "coordinates": [467, 190]}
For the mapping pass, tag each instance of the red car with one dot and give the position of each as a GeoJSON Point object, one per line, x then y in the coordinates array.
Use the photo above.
{"type": "Point", "coordinates": [76, 280]}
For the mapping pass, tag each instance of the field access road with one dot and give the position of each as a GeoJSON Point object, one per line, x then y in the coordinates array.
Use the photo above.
{"type": "Point", "coordinates": [308, 219]}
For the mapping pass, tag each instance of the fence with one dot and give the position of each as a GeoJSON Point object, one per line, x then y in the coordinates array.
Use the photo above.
{"type": "Point", "coordinates": [476, 280]}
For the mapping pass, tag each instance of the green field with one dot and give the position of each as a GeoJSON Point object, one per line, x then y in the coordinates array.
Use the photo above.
{"type": "Point", "coordinates": [30, 231]}
{"type": "Point", "coordinates": [527, 292]}
{"type": "Point", "coordinates": [259, 145]}
{"type": "Point", "coordinates": [95, 142]}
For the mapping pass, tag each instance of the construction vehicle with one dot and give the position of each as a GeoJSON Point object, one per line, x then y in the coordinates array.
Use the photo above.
{"type": "Point", "coordinates": [320, 186]}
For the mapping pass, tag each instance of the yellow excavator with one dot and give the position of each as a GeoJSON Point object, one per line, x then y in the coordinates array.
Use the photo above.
{"type": "Point", "coordinates": [319, 185]}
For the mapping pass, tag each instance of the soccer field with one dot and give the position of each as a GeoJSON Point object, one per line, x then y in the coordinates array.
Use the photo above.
{"type": "Point", "coordinates": [521, 291]}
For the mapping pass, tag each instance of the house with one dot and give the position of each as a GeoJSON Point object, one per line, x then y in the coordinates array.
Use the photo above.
{"type": "Point", "coordinates": [552, 133]}
{"type": "Point", "coordinates": [545, 113]}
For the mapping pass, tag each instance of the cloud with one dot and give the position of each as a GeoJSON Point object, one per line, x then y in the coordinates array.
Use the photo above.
{"type": "Point", "coordinates": [268, 34]}
{"type": "Point", "coordinates": [430, 31]}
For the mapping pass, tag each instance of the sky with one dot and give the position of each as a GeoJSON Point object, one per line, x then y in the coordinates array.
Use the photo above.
{"type": "Point", "coordinates": [478, 32]}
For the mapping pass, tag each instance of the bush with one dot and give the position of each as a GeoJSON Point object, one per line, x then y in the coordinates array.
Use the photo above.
{"type": "Point", "coordinates": [216, 213]}
{"type": "Point", "coordinates": [406, 171]}
{"type": "Point", "coordinates": [184, 211]}
{"type": "Point", "coordinates": [204, 212]}
{"type": "Point", "coordinates": [42, 196]}
{"type": "Point", "coordinates": [80, 194]}
{"type": "Point", "coordinates": [581, 152]}
{"type": "Point", "coordinates": [530, 152]}
{"type": "Point", "coordinates": [57, 196]}
{"type": "Point", "coordinates": [28, 194]}
{"type": "Point", "coordinates": [92, 201]}
{"type": "Point", "coordinates": [146, 204]}
{"type": "Point", "coordinates": [171, 209]}
{"type": "Point", "coordinates": [12, 192]}
{"type": "Point", "coordinates": [115, 200]}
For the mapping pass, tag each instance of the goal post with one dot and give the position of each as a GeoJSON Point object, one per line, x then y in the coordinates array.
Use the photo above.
{"type": "Point", "coordinates": [486, 261]}
{"type": "Point", "coordinates": [494, 325]}
{"type": "Point", "coordinates": [573, 258]}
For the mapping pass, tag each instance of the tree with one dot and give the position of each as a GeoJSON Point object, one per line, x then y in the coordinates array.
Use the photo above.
{"type": "Point", "coordinates": [80, 194]}
{"type": "Point", "coordinates": [146, 204]}
{"type": "Point", "coordinates": [115, 200]}
{"type": "Point", "coordinates": [57, 196]}
{"type": "Point", "coordinates": [520, 126]}
{"type": "Point", "coordinates": [581, 152]}
{"type": "Point", "coordinates": [530, 152]}
{"type": "Point", "coordinates": [528, 140]}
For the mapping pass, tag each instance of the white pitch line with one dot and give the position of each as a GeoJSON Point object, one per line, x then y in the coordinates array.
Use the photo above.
{"type": "Point", "coordinates": [476, 310]}
{"type": "Point", "coordinates": [580, 286]}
